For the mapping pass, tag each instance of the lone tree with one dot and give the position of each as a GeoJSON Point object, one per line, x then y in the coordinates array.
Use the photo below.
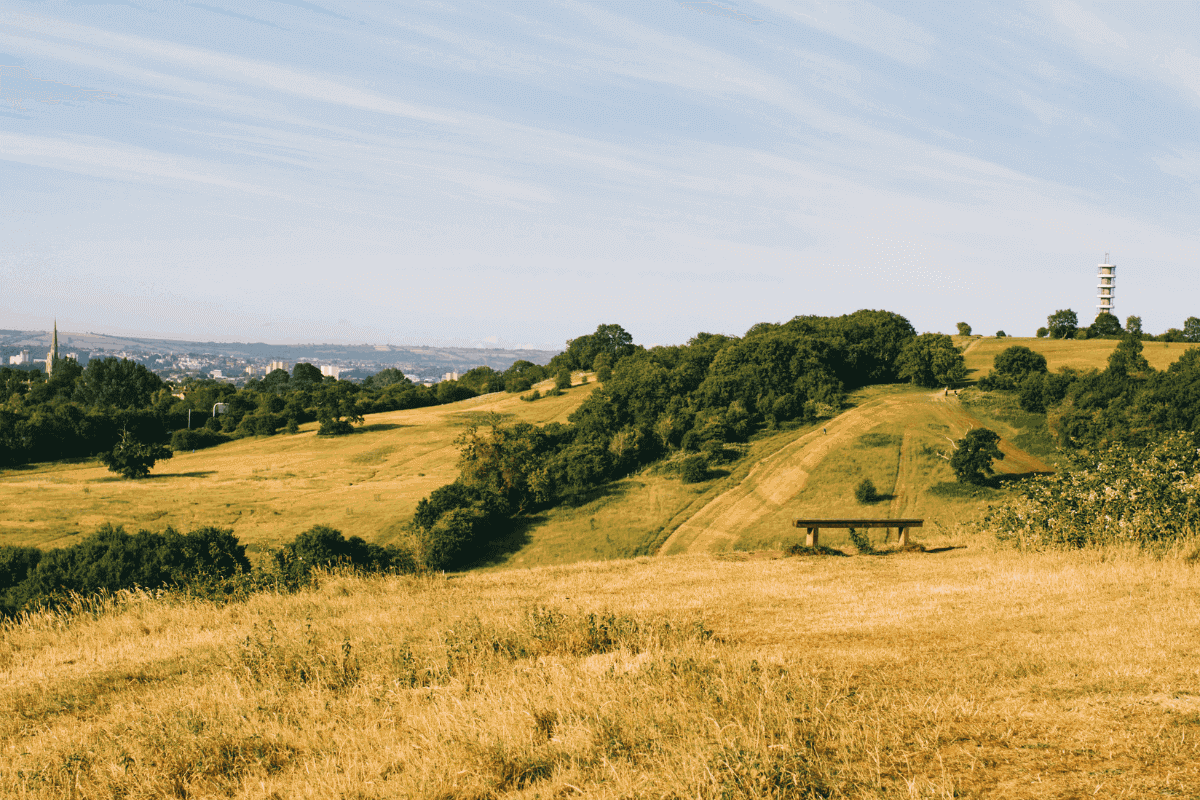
{"type": "Point", "coordinates": [973, 456]}
{"type": "Point", "coordinates": [133, 458]}
{"type": "Point", "coordinates": [964, 329]}
{"type": "Point", "coordinates": [1062, 324]}
{"type": "Point", "coordinates": [1191, 329]}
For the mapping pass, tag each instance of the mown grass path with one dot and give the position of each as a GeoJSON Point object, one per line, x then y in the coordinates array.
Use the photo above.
{"type": "Point", "coordinates": [774, 489]}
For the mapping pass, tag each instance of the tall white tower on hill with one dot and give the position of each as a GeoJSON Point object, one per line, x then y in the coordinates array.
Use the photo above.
{"type": "Point", "coordinates": [1108, 280]}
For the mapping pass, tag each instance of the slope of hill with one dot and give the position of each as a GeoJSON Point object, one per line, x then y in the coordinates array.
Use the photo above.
{"type": "Point", "coordinates": [1078, 354]}
{"type": "Point", "coordinates": [268, 489]}
{"type": "Point", "coordinates": [959, 674]}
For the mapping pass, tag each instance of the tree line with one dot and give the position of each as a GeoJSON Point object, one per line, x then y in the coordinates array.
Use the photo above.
{"type": "Point", "coordinates": [114, 403]}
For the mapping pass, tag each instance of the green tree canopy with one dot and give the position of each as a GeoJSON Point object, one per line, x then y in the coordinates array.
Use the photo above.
{"type": "Point", "coordinates": [612, 340]}
{"type": "Point", "coordinates": [1018, 361]}
{"type": "Point", "coordinates": [1191, 329]}
{"type": "Point", "coordinates": [1105, 325]}
{"type": "Point", "coordinates": [973, 456]}
{"type": "Point", "coordinates": [1062, 324]}
{"type": "Point", "coordinates": [120, 383]}
{"type": "Point", "coordinates": [963, 329]}
{"type": "Point", "coordinates": [304, 375]}
{"type": "Point", "coordinates": [930, 360]}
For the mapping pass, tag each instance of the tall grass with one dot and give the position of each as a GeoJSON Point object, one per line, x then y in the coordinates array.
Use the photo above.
{"type": "Point", "coordinates": [962, 674]}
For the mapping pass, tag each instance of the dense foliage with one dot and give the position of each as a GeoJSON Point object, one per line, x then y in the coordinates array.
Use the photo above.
{"type": "Point", "coordinates": [974, 454]}
{"type": "Point", "coordinates": [208, 560]}
{"type": "Point", "coordinates": [1143, 496]}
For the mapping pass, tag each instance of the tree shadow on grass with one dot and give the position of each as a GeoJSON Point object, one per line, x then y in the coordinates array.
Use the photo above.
{"type": "Point", "coordinates": [612, 489]}
{"type": "Point", "coordinates": [1001, 478]}
{"type": "Point", "coordinates": [161, 475]}
{"type": "Point", "coordinates": [376, 427]}
{"type": "Point", "coordinates": [500, 548]}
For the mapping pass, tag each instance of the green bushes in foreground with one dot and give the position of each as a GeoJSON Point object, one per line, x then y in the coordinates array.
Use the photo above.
{"type": "Point", "coordinates": [208, 560]}
{"type": "Point", "coordinates": [1146, 496]}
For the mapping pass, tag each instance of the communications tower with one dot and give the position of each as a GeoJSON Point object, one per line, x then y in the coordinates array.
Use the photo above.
{"type": "Point", "coordinates": [1108, 280]}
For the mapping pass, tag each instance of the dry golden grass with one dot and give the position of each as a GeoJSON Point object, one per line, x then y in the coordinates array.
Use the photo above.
{"type": "Point", "coordinates": [269, 488]}
{"type": "Point", "coordinates": [1078, 354]}
{"type": "Point", "coordinates": [967, 673]}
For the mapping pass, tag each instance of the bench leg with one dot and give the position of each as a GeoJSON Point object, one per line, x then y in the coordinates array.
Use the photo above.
{"type": "Point", "coordinates": [903, 536]}
{"type": "Point", "coordinates": [813, 534]}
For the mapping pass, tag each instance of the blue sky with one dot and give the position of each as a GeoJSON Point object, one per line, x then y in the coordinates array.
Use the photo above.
{"type": "Point", "coordinates": [518, 173]}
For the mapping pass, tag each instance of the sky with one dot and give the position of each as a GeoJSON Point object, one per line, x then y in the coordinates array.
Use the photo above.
{"type": "Point", "coordinates": [517, 173]}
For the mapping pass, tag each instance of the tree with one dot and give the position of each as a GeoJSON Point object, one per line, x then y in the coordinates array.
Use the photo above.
{"type": "Point", "coordinates": [1001, 334]}
{"type": "Point", "coordinates": [1191, 329]}
{"type": "Point", "coordinates": [866, 492]}
{"type": "Point", "coordinates": [117, 382]}
{"type": "Point", "coordinates": [930, 360]}
{"type": "Point", "coordinates": [964, 329]}
{"type": "Point", "coordinates": [337, 409]}
{"type": "Point", "coordinates": [1042, 333]}
{"type": "Point", "coordinates": [133, 458]}
{"type": "Point", "coordinates": [1018, 361]}
{"type": "Point", "coordinates": [612, 340]}
{"type": "Point", "coordinates": [1062, 324]}
{"type": "Point", "coordinates": [275, 381]}
{"type": "Point", "coordinates": [304, 375]}
{"type": "Point", "coordinates": [1127, 359]}
{"type": "Point", "coordinates": [1133, 325]}
{"type": "Point", "coordinates": [563, 379]}
{"type": "Point", "coordinates": [973, 456]}
{"type": "Point", "coordinates": [1107, 325]}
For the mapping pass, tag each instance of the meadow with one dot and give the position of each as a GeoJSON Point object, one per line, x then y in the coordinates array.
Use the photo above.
{"type": "Point", "coordinates": [1079, 354]}
{"type": "Point", "coordinates": [962, 673]}
{"type": "Point", "coordinates": [269, 488]}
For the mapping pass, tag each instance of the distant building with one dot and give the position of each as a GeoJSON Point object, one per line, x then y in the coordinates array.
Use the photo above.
{"type": "Point", "coordinates": [330, 371]}
{"type": "Point", "coordinates": [250, 370]}
{"type": "Point", "coordinates": [20, 358]}
{"type": "Point", "coordinates": [274, 365]}
{"type": "Point", "coordinates": [1107, 287]}
{"type": "Point", "coordinates": [450, 376]}
{"type": "Point", "coordinates": [216, 373]}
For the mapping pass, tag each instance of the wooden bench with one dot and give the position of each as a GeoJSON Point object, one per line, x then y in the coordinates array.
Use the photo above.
{"type": "Point", "coordinates": [813, 526]}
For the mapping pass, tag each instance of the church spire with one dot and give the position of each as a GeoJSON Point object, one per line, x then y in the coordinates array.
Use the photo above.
{"type": "Point", "coordinates": [52, 356]}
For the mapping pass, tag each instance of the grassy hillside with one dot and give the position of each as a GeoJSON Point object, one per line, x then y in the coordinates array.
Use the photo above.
{"type": "Point", "coordinates": [1082, 354]}
{"type": "Point", "coordinates": [965, 673]}
{"type": "Point", "coordinates": [268, 489]}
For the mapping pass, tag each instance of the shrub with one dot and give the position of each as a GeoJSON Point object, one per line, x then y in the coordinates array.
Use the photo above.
{"type": "Point", "coordinates": [694, 469]}
{"type": "Point", "coordinates": [323, 546]}
{"type": "Point", "coordinates": [111, 560]}
{"type": "Point", "coordinates": [866, 492]}
{"type": "Point", "coordinates": [1143, 496]}
{"type": "Point", "coordinates": [563, 379]}
{"type": "Point", "coordinates": [196, 439]}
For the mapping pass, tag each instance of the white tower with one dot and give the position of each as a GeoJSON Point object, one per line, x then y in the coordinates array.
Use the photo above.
{"type": "Point", "coordinates": [1108, 280]}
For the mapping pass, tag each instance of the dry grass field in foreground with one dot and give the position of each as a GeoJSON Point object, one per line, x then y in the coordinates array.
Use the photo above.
{"type": "Point", "coordinates": [965, 673]}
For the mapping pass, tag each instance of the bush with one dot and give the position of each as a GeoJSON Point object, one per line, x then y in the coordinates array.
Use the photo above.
{"type": "Point", "coordinates": [196, 439]}
{"type": "Point", "coordinates": [563, 379]}
{"type": "Point", "coordinates": [694, 469]}
{"type": "Point", "coordinates": [323, 546]}
{"type": "Point", "coordinates": [1146, 496]}
{"type": "Point", "coordinates": [111, 560]}
{"type": "Point", "coordinates": [866, 492]}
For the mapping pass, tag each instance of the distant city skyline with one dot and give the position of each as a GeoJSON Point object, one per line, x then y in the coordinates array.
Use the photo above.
{"type": "Point", "coordinates": [514, 174]}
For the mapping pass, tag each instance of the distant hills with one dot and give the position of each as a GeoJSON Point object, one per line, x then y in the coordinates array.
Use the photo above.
{"type": "Point", "coordinates": [419, 359]}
